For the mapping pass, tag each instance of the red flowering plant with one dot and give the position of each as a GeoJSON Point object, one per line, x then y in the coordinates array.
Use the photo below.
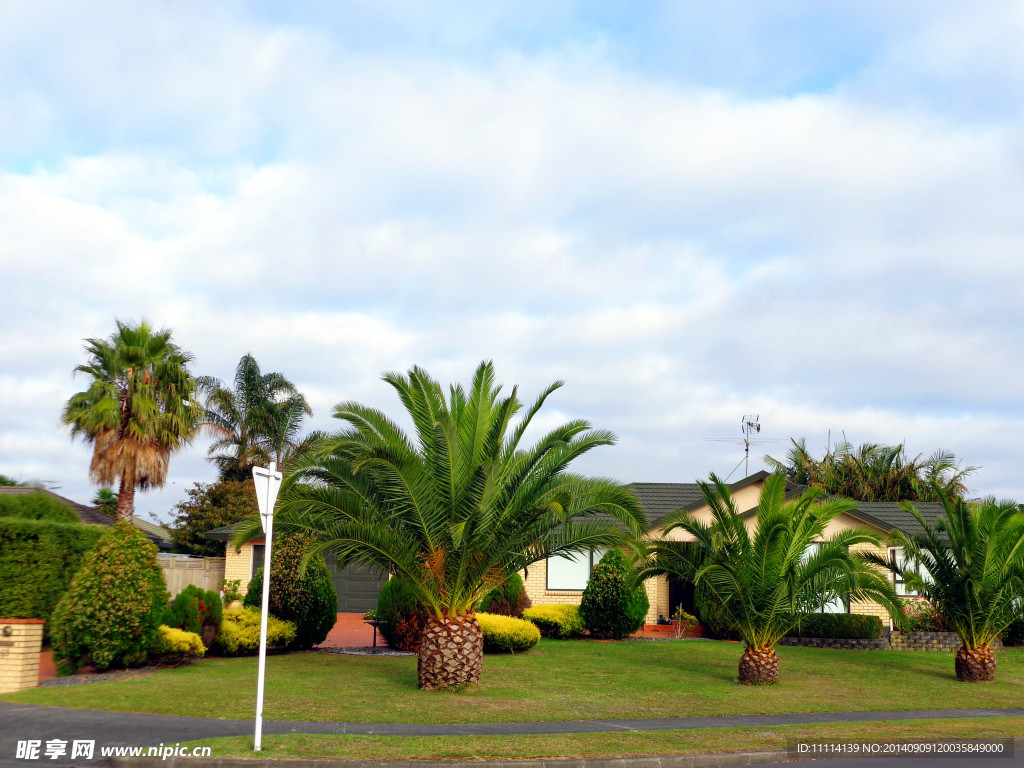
{"type": "Point", "coordinates": [922, 616]}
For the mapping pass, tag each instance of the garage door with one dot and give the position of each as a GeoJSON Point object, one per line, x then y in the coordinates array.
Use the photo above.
{"type": "Point", "coordinates": [357, 587]}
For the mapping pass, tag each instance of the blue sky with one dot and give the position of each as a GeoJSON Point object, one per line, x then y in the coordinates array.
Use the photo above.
{"type": "Point", "coordinates": [688, 212]}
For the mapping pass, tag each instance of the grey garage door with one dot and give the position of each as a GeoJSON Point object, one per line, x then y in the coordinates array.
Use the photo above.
{"type": "Point", "coordinates": [357, 587]}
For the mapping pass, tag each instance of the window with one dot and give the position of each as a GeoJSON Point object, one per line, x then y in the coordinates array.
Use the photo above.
{"type": "Point", "coordinates": [573, 572]}
{"type": "Point", "coordinates": [839, 604]}
{"type": "Point", "coordinates": [258, 554]}
{"type": "Point", "coordinates": [896, 553]}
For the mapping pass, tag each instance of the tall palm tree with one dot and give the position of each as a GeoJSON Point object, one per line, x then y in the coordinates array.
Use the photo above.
{"type": "Point", "coordinates": [139, 408]}
{"type": "Point", "coordinates": [457, 508]}
{"type": "Point", "coordinates": [974, 559]}
{"type": "Point", "coordinates": [253, 422]}
{"type": "Point", "coordinates": [874, 472]}
{"type": "Point", "coordinates": [767, 578]}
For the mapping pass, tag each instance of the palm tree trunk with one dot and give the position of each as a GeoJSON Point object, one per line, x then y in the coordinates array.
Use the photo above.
{"type": "Point", "coordinates": [759, 666]}
{"type": "Point", "coordinates": [975, 665]}
{"type": "Point", "coordinates": [126, 494]}
{"type": "Point", "coordinates": [451, 652]}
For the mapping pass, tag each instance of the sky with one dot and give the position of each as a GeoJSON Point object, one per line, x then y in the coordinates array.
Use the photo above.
{"type": "Point", "coordinates": [687, 211]}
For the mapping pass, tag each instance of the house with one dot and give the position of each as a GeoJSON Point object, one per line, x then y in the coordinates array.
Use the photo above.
{"type": "Point", "coordinates": [92, 516]}
{"type": "Point", "coordinates": [357, 587]}
{"type": "Point", "coordinates": [562, 580]}
{"type": "Point", "coordinates": [559, 580]}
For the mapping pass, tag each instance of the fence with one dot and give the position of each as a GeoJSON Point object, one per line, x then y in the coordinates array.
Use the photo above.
{"type": "Point", "coordinates": [204, 572]}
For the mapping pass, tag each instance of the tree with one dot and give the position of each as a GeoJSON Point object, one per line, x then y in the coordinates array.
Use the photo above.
{"type": "Point", "coordinates": [765, 579]}
{"type": "Point", "coordinates": [210, 506]}
{"type": "Point", "coordinates": [255, 421]}
{"type": "Point", "coordinates": [874, 472]}
{"type": "Point", "coordinates": [105, 501]}
{"type": "Point", "coordinates": [974, 563]}
{"type": "Point", "coordinates": [139, 408]}
{"type": "Point", "coordinates": [457, 509]}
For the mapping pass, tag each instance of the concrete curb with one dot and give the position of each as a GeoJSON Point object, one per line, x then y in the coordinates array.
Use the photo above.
{"type": "Point", "coordinates": [718, 760]}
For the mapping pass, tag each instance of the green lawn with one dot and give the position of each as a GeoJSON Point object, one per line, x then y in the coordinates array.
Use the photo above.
{"type": "Point", "coordinates": [604, 745]}
{"type": "Point", "coordinates": [560, 680]}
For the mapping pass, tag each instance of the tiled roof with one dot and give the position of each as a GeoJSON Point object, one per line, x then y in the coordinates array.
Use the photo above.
{"type": "Point", "coordinates": [661, 499]}
{"type": "Point", "coordinates": [888, 515]}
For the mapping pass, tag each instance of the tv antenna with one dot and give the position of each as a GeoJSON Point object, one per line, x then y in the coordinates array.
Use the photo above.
{"type": "Point", "coordinates": [750, 426]}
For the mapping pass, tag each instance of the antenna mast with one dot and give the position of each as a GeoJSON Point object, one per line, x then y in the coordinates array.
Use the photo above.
{"type": "Point", "coordinates": [750, 426]}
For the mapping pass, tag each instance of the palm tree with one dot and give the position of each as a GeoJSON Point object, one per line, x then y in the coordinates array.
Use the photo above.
{"type": "Point", "coordinates": [766, 579]}
{"type": "Point", "coordinates": [255, 421]}
{"type": "Point", "coordinates": [105, 501]}
{"type": "Point", "coordinates": [139, 408]}
{"type": "Point", "coordinates": [874, 472]}
{"type": "Point", "coordinates": [974, 559]}
{"type": "Point", "coordinates": [458, 508]}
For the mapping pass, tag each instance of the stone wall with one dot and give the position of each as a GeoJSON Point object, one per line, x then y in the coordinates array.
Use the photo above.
{"type": "Point", "coordinates": [894, 641]}
{"type": "Point", "coordinates": [930, 641]}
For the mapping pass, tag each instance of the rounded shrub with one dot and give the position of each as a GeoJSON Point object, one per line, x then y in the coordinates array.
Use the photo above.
{"type": "Point", "coordinates": [507, 634]}
{"type": "Point", "coordinates": [610, 608]}
{"type": "Point", "coordinates": [240, 633]}
{"type": "Point", "coordinates": [403, 618]}
{"type": "Point", "coordinates": [560, 621]}
{"type": "Point", "coordinates": [196, 610]}
{"type": "Point", "coordinates": [307, 599]}
{"type": "Point", "coordinates": [110, 614]}
{"type": "Point", "coordinates": [507, 600]}
{"type": "Point", "coordinates": [175, 646]}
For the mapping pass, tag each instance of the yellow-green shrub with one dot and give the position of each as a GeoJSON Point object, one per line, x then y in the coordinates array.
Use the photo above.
{"type": "Point", "coordinates": [505, 634]}
{"type": "Point", "coordinates": [174, 645]}
{"type": "Point", "coordinates": [556, 620]}
{"type": "Point", "coordinates": [240, 633]}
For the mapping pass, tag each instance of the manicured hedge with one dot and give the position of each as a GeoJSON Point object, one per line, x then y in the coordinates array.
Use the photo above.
{"type": "Point", "coordinates": [174, 646]}
{"type": "Point", "coordinates": [37, 506]}
{"type": "Point", "coordinates": [240, 633]}
{"type": "Point", "coordinates": [506, 634]}
{"type": "Point", "coordinates": [844, 626]}
{"type": "Point", "coordinates": [610, 606]}
{"type": "Point", "coordinates": [561, 621]}
{"type": "Point", "coordinates": [38, 559]}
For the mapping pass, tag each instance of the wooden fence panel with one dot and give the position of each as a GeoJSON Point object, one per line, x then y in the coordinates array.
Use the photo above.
{"type": "Point", "coordinates": [204, 572]}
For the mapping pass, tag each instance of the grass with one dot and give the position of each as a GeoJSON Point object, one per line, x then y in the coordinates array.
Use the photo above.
{"type": "Point", "coordinates": [605, 745]}
{"type": "Point", "coordinates": [560, 680]}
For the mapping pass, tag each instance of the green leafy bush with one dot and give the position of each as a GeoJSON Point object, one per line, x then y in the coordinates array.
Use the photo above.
{"type": "Point", "coordinates": [240, 633]}
{"type": "Point", "coordinates": [842, 626]}
{"type": "Point", "coordinates": [714, 619]}
{"type": "Point", "coordinates": [38, 559]}
{"type": "Point", "coordinates": [174, 646]}
{"type": "Point", "coordinates": [610, 607]}
{"type": "Point", "coordinates": [110, 613]}
{"type": "Point", "coordinates": [209, 506]}
{"type": "Point", "coordinates": [560, 621]}
{"type": "Point", "coordinates": [507, 634]}
{"type": "Point", "coordinates": [37, 506]}
{"type": "Point", "coordinates": [308, 599]}
{"type": "Point", "coordinates": [402, 615]}
{"type": "Point", "coordinates": [507, 600]}
{"type": "Point", "coordinates": [196, 610]}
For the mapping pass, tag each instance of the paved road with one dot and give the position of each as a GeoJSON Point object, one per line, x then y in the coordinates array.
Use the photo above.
{"type": "Point", "coordinates": [19, 722]}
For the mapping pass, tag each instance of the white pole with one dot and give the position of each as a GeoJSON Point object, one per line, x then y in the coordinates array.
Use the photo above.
{"type": "Point", "coordinates": [267, 482]}
{"type": "Point", "coordinates": [263, 635]}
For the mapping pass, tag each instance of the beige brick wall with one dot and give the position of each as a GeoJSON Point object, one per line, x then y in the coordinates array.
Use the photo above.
{"type": "Point", "coordinates": [868, 607]}
{"type": "Point", "coordinates": [535, 583]}
{"type": "Point", "coordinates": [19, 654]}
{"type": "Point", "coordinates": [238, 564]}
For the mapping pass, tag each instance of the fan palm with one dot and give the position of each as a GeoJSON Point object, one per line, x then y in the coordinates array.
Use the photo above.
{"type": "Point", "coordinates": [765, 579]}
{"type": "Point", "coordinates": [139, 408]}
{"type": "Point", "coordinates": [456, 509]}
{"type": "Point", "coordinates": [253, 422]}
{"type": "Point", "coordinates": [974, 558]}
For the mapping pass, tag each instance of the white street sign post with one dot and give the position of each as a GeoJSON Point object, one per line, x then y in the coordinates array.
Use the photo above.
{"type": "Point", "coordinates": [268, 483]}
